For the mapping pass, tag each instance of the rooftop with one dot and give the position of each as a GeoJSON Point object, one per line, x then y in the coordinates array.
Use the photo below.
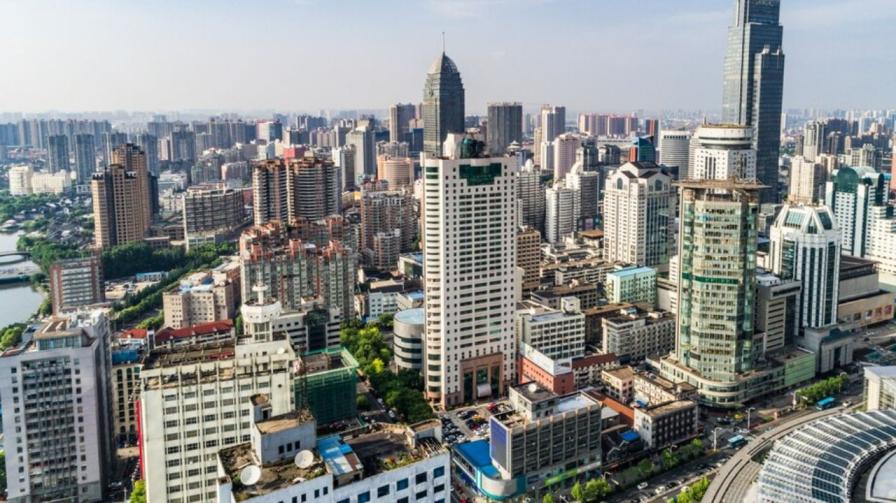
{"type": "Point", "coordinates": [669, 407]}
{"type": "Point", "coordinates": [414, 316]}
{"type": "Point", "coordinates": [185, 355]}
{"type": "Point", "coordinates": [284, 421]}
{"type": "Point", "coordinates": [274, 476]}
{"type": "Point", "coordinates": [631, 271]}
{"type": "Point", "coordinates": [624, 373]}
{"type": "Point", "coordinates": [882, 372]}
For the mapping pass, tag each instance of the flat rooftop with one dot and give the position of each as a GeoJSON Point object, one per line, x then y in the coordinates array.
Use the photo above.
{"type": "Point", "coordinates": [284, 421]}
{"type": "Point", "coordinates": [669, 407]}
{"type": "Point", "coordinates": [631, 271]}
{"type": "Point", "coordinates": [274, 476]}
{"type": "Point", "coordinates": [187, 355]}
{"type": "Point", "coordinates": [377, 450]}
{"type": "Point", "coordinates": [623, 373]}
{"type": "Point", "coordinates": [888, 372]}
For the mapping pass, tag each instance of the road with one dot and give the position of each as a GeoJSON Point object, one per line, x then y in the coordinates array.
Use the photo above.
{"type": "Point", "coordinates": [682, 475]}
{"type": "Point", "coordinates": [734, 479]}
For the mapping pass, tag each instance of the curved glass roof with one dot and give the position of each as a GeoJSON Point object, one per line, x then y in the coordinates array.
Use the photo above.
{"type": "Point", "coordinates": [820, 461]}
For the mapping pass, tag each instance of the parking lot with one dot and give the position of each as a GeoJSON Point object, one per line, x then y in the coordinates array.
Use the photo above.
{"type": "Point", "coordinates": [469, 423]}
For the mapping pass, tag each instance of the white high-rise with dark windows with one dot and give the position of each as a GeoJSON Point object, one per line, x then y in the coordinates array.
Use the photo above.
{"type": "Point", "coordinates": [469, 222]}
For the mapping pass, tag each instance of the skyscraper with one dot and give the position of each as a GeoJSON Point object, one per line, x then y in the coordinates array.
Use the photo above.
{"type": "Point", "coordinates": [754, 83]}
{"type": "Point", "coordinates": [117, 213]}
{"type": "Point", "coordinates": [505, 126]}
{"type": "Point", "coordinates": [807, 180]}
{"type": "Point", "coordinates": [553, 122]}
{"type": "Point", "coordinates": [269, 191]}
{"type": "Point", "coordinates": [850, 194]}
{"type": "Point", "coordinates": [716, 288]}
{"type": "Point", "coordinates": [57, 153]}
{"type": "Point", "coordinates": [530, 196]}
{"type": "Point", "coordinates": [563, 211]}
{"type": "Point", "coordinates": [365, 151]}
{"type": "Point", "coordinates": [470, 270]}
{"type": "Point", "coordinates": [805, 246]}
{"type": "Point", "coordinates": [134, 160]}
{"type": "Point", "coordinates": [312, 189]}
{"type": "Point", "coordinates": [150, 144]}
{"type": "Point", "coordinates": [400, 115]}
{"type": "Point", "coordinates": [85, 157]}
{"type": "Point", "coordinates": [443, 104]}
{"type": "Point", "coordinates": [638, 215]}
{"type": "Point", "coordinates": [565, 147]}
{"type": "Point", "coordinates": [813, 140]}
{"type": "Point", "coordinates": [384, 212]}
{"type": "Point", "coordinates": [587, 183]}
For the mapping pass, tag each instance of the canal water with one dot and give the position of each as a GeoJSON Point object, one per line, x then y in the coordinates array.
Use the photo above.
{"type": "Point", "coordinates": [18, 301]}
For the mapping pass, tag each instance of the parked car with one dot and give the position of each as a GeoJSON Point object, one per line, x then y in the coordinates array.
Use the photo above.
{"type": "Point", "coordinates": [642, 486]}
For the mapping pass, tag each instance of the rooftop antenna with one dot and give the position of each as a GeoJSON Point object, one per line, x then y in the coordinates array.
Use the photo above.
{"type": "Point", "coordinates": [443, 42]}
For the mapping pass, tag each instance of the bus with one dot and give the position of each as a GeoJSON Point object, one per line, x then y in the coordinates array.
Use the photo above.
{"type": "Point", "coordinates": [736, 441]}
{"type": "Point", "coordinates": [825, 403]}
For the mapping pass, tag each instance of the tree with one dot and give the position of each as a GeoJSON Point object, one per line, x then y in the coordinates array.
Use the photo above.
{"type": "Point", "coordinates": [138, 495]}
{"type": "Point", "coordinates": [377, 366]}
{"type": "Point", "coordinates": [645, 467]}
{"type": "Point", "coordinates": [548, 498]}
{"type": "Point", "coordinates": [362, 402]}
{"type": "Point", "coordinates": [238, 324]}
{"type": "Point", "coordinates": [697, 444]}
{"type": "Point", "coordinates": [577, 492]}
{"type": "Point", "coordinates": [2, 472]}
{"type": "Point", "coordinates": [11, 336]}
{"type": "Point", "coordinates": [596, 489]}
{"type": "Point", "coordinates": [669, 459]}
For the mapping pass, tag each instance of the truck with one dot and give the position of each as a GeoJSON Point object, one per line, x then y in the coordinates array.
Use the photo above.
{"type": "Point", "coordinates": [825, 403]}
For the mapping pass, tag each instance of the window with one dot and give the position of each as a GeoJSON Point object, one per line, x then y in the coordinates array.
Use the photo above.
{"type": "Point", "coordinates": [439, 488]}
{"type": "Point", "coordinates": [421, 495]}
{"type": "Point", "coordinates": [382, 491]}
{"type": "Point", "coordinates": [421, 478]}
{"type": "Point", "coordinates": [403, 500]}
{"type": "Point", "coordinates": [364, 497]}
{"type": "Point", "coordinates": [401, 484]}
{"type": "Point", "coordinates": [438, 472]}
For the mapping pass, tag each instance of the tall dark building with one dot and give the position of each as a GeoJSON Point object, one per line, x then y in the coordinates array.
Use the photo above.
{"type": "Point", "coordinates": [443, 104]}
{"type": "Point", "coordinates": [754, 83]}
{"type": "Point", "coordinates": [505, 126]}
{"type": "Point", "coordinates": [57, 153]}
{"type": "Point", "coordinates": [85, 157]}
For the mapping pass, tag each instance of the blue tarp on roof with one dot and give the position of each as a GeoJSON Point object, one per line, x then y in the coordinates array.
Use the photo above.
{"type": "Point", "coordinates": [476, 453]}
{"type": "Point", "coordinates": [630, 436]}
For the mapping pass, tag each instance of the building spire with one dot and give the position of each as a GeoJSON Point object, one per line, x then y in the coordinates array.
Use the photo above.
{"type": "Point", "coordinates": [443, 42]}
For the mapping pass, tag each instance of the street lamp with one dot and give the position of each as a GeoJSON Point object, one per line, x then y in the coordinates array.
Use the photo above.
{"type": "Point", "coordinates": [715, 437]}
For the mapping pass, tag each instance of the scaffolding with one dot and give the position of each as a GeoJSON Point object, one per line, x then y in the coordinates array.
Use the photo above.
{"type": "Point", "coordinates": [327, 384]}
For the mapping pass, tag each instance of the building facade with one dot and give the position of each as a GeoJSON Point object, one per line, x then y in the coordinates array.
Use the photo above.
{"type": "Point", "coordinates": [443, 104]}
{"type": "Point", "coordinates": [75, 283]}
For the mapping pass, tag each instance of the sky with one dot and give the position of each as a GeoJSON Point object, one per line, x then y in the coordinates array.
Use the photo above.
{"type": "Point", "coordinates": [309, 55]}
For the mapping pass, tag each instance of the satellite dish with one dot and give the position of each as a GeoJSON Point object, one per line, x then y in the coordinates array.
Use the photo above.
{"type": "Point", "coordinates": [533, 387]}
{"type": "Point", "coordinates": [250, 475]}
{"type": "Point", "coordinates": [304, 459]}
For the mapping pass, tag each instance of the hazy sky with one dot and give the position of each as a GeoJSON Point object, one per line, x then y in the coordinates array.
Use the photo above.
{"type": "Point", "coordinates": [305, 55]}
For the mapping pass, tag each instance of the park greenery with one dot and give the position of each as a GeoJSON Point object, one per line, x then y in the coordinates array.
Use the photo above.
{"type": "Point", "coordinates": [400, 390]}
{"type": "Point", "coordinates": [822, 389]}
{"type": "Point", "coordinates": [691, 494]}
{"type": "Point", "coordinates": [669, 460]}
{"type": "Point", "coordinates": [45, 251]}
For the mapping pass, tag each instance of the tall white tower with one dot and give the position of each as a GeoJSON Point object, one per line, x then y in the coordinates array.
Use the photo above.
{"type": "Point", "coordinates": [469, 223]}
{"type": "Point", "coordinates": [723, 152]}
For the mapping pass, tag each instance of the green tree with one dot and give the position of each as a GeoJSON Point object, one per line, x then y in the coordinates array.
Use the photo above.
{"type": "Point", "coordinates": [578, 492]}
{"type": "Point", "coordinates": [377, 366]}
{"type": "Point", "coordinates": [238, 324]}
{"type": "Point", "coordinates": [548, 498]}
{"type": "Point", "coordinates": [596, 489]}
{"type": "Point", "coordinates": [11, 335]}
{"type": "Point", "coordinates": [362, 402]}
{"type": "Point", "coordinates": [645, 467]}
{"type": "Point", "coordinates": [669, 459]}
{"type": "Point", "coordinates": [138, 495]}
{"type": "Point", "coordinates": [2, 472]}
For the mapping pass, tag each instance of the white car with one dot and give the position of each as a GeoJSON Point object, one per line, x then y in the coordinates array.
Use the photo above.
{"type": "Point", "coordinates": [642, 486]}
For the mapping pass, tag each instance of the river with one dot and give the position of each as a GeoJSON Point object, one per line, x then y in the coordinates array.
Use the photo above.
{"type": "Point", "coordinates": [17, 301]}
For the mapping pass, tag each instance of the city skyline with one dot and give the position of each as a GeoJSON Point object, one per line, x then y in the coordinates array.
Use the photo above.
{"type": "Point", "coordinates": [208, 58]}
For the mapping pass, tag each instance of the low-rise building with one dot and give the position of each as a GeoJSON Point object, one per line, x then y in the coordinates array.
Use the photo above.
{"type": "Point", "coordinates": [634, 285]}
{"type": "Point", "coordinates": [634, 334]}
{"type": "Point", "coordinates": [619, 383]}
{"type": "Point", "coordinates": [76, 283]}
{"type": "Point", "coordinates": [594, 317]}
{"type": "Point", "coordinates": [651, 389]}
{"type": "Point", "coordinates": [861, 302]}
{"type": "Point", "coordinates": [203, 297]}
{"type": "Point", "coordinates": [552, 295]}
{"type": "Point", "coordinates": [407, 338]}
{"type": "Point", "coordinates": [668, 423]}
{"type": "Point", "coordinates": [556, 333]}
{"type": "Point", "coordinates": [880, 388]}
{"type": "Point", "coordinates": [545, 440]}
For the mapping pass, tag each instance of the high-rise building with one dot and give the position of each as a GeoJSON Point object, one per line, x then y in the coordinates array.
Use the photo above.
{"type": "Point", "coordinates": [716, 281]}
{"type": "Point", "coordinates": [588, 185]}
{"type": "Point", "coordinates": [805, 246]}
{"type": "Point", "coordinates": [150, 145]}
{"type": "Point", "coordinates": [638, 214]}
{"type": "Point", "coordinates": [134, 160]}
{"type": "Point", "coordinates": [565, 148]}
{"type": "Point", "coordinates": [505, 126]}
{"type": "Point", "coordinates": [238, 377]}
{"type": "Point", "coordinates": [111, 140]}
{"type": "Point", "coordinates": [57, 420]}
{"type": "Point", "coordinates": [361, 138]}
{"type": "Point", "coordinates": [530, 196]}
{"type": "Point", "coordinates": [813, 140]}
{"type": "Point", "coordinates": [400, 115]}
{"type": "Point", "coordinates": [553, 122]}
{"type": "Point", "coordinates": [642, 150]}
{"type": "Point", "coordinates": [807, 180]}
{"type": "Point", "coordinates": [563, 212]}
{"type": "Point", "coordinates": [75, 283]}
{"type": "Point", "coordinates": [384, 212]}
{"type": "Point", "coordinates": [269, 191]}
{"type": "Point", "coordinates": [674, 148]}
{"type": "Point", "coordinates": [344, 159]}
{"type": "Point", "coordinates": [182, 146]}
{"type": "Point", "coordinates": [85, 157]}
{"type": "Point", "coordinates": [754, 83]}
{"type": "Point", "coordinates": [210, 212]}
{"type": "Point", "coordinates": [443, 104]}
{"type": "Point", "coordinates": [721, 152]}
{"type": "Point", "coordinates": [397, 172]}
{"type": "Point", "coordinates": [57, 153]}
{"type": "Point", "coordinates": [469, 265]}
{"type": "Point", "coordinates": [528, 253]}
{"type": "Point", "coordinates": [203, 297]}
{"type": "Point", "coordinates": [312, 189]}
{"type": "Point", "coordinates": [117, 213]}
{"type": "Point", "coordinates": [851, 193]}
